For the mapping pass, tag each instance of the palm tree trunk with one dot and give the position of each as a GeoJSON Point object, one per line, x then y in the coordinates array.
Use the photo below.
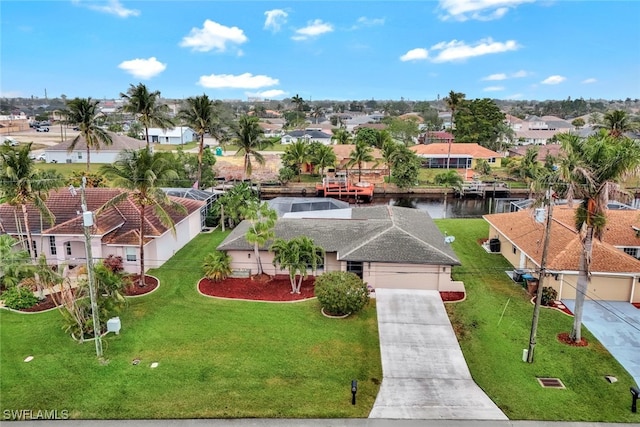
{"type": "Point", "coordinates": [292, 279]}
{"type": "Point", "coordinates": [146, 135]}
{"type": "Point", "coordinates": [449, 155]}
{"type": "Point", "coordinates": [200, 151]}
{"type": "Point", "coordinates": [88, 157]}
{"type": "Point", "coordinates": [141, 282]}
{"type": "Point", "coordinates": [30, 245]}
{"type": "Point", "coordinates": [581, 288]}
{"type": "Point", "coordinates": [256, 251]}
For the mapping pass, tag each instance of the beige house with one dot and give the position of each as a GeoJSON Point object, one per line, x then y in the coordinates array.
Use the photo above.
{"type": "Point", "coordinates": [615, 264]}
{"type": "Point", "coordinates": [461, 155]}
{"type": "Point", "coordinates": [116, 229]}
{"type": "Point", "coordinates": [388, 247]}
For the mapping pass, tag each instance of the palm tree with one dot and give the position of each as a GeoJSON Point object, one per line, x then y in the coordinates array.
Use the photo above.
{"type": "Point", "coordinates": [389, 150]}
{"type": "Point", "coordinates": [139, 173]}
{"type": "Point", "coordinates": [262, 220]}
{"type": "Point", "coordinates": [84, 113]}
{"type": "Point", "coordinates": [341, 136]}
{"type": "Point", "coordinates": [296, 155]}
{"type": "Point", "coordinates": [360, 154]}
{"type": "Point", "coordinates": [297, 255]}
{"type": "Point", "coordinates": [197, 113]}
{"type": "Point", "coordinates": [298, 102]}
{"type": "Point", "coordinates": [453, 101]}
{"type": "Point", "coordinates": [248, 138]}
{"type": "Point", "coordinates": [317, 112]}
{"type": "Point", "coordinates": [217, 266]}
{"type": "Point", "coordinates": [592, 168]}
{"type": "Point", "coordinates": [145, 107]}
{"type": "Point", "coordinates": [14, 264]}
{"type": "Point", "coordinates": [322, 156]}
{"type": "Point", "coordinates": [616, 122]}
{"type": "Point", "coordinates": [21, 184]}
{"type": "Point", "coordinates": [529, 170]}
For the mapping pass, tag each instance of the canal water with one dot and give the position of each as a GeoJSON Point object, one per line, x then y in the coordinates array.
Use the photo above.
{"type": "Point", "coordinates": [439, 207]}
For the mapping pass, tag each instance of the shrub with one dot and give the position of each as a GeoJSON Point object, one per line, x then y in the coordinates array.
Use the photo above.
{"type": "Point", "coordinates": [114, 263]}
{"type": "Point", "coordinates": [18, 298]}
{"type": "Point", "coordinates": [341, 292]}
{"type": "Point", "coordinates": [548, 295]}
{"type": "Point", "coordinates": [217, 266]}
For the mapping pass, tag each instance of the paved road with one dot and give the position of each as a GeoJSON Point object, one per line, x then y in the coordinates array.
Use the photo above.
{"type": "Point", "coordinates": [425, 375]}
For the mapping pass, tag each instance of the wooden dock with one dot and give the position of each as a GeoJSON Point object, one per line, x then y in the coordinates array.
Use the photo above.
{"type": "Point", "coordinates": [340, 187]}
{"type": "Point", "coordinates": [482, 189]}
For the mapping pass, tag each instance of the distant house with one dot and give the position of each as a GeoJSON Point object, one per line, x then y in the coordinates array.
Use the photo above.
{"type": "Point", "coordinates": [116, 230]}
{"type": "Point", "coordinates": [176, 136]}
{"type": "Point", "coordinates": [307, 135]}
{"type": "Point", "coordinates": [543, 151]}
{"type": "Point", "coordinates": [105, 154]}
{"type": "Point", "coordinates": [615, 264]}
{"type": "Point", "coordinates": [388, 247]}
{"type": "Point", "coordinates": [462, 155]}
{"type": "Point", "coordinates": [432, 137]}
{"type": "Point", "coordinates": [536, 130]}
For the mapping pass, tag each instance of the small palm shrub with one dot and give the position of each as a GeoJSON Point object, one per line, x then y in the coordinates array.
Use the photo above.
{"type": "Point", "coordinates": [341, 292]}
{"type": "Point", "coordinates": [217, 266]}
{"type": "Point", "coordinates": [548, 295]}
{"type": "Point", "coordinates": [19, 297]}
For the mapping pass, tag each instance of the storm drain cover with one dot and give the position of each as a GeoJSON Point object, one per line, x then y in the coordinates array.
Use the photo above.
{"type": "Point", "coordinates": [551, 383]}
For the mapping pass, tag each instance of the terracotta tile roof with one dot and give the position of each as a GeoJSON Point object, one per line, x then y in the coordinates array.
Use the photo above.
{"type": "Point", "coordinates": [457, 149]}
{"type": "Point", "coordinates": [565, 245]}
{"type": "Point", "coordinates": [116, 224]}
{"type": "Point", "coordinates": [543, 151]}
{"type": "Point", "coordinates": [343, 151]}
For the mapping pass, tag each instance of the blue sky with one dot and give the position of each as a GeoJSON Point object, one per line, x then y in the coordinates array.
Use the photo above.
{"type": "Point", "coordinates": [341, 50]}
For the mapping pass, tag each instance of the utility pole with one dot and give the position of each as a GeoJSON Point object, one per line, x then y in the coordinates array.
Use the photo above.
{"type": "Point", "coordinates": [87, 221]}
{"type": "Point", "coordinates": [541, 279]}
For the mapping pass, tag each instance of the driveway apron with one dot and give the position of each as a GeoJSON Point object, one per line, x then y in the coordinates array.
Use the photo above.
{"type": "Point", "coordinates": [425, 375]}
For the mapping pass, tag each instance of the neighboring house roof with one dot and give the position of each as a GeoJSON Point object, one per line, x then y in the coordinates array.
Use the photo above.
{"type": "Point", "coordinates": [543, 151]}
{"type": "Point", "coordinates": [313, 134]}
{"type": "Point", "coordinates": [387, 234]}
{"type": "Point", "coordinates": [116, 225]}
{"type": "Point", "coordinates": [435, 136]}
{"type": "Point", "coordinates": [565, 245]}
{"type": "Point", "coordinates": [343, 151]}
{"type": "Point", "coordinates": [536, 134]}
{"type": "Point", "coordinates": [119, 143]}
{"type": "Point", "coordinates": [377, 126]}
{"type": "Point", "coordinates": [457, 149]}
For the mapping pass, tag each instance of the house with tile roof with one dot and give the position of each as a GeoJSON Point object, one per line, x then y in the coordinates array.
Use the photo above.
{"type": "Point", "coordinates": [177, 136]}
{"type": "Point", "coordinates": [60, 153]}
{"type": "Point", "coordinates": [387, 246]}
{"type": "Point", "coordinates": [373, 172]}
{"type": "Point", "coordinates": [115, 230]}
{"type": "Point", "coordinates": [464, 155]}
{"type": "Point", "coordinates": [615, 265]}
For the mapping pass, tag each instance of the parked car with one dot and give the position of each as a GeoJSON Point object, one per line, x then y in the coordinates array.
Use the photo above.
{"type": "Point", "coordinates": [41, 156]}
{"type": "Point", "coordinates": [42, 129]}
{"type": "Point", "coordinates": [10, 141]}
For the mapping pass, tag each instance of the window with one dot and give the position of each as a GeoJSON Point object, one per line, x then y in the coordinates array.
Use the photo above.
{"type": "Point", "coordinates": [355, 267]}
{"type": "Point", "coordinates": [634, 252]}
{"type": "Point", "coordinates": [52, 245]}
{"type": "Point", "coordinates": [67, 248]}
{"type": "Point", "coordinates": [34, 245]}
{"type": "Point", "coordinates": [131, 254]}
{"type": "Point", "coordinates": [492, 160]}
{"type": "Point", "coordinates": [79, 154]}
{"type": "Point", "coordinates": [514, 249]}
{"type": "Point", "coordinates": [319, 265]}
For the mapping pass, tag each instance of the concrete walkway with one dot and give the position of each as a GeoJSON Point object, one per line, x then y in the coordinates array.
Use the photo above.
{"type": "Point", "coordinates": [425, 375]}
{"type": "Point", "coordinates": [616, 325]}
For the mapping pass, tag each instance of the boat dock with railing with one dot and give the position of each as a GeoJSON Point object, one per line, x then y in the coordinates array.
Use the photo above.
{"type": "Point", "coordinates": [482, 189]}
{"type": "Point", "coordinates": [339, 186]}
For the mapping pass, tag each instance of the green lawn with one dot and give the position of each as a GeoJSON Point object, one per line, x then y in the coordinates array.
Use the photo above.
{"type": "Point", "coordinates": [216, 358]}
{"type": "Point", "coordinates": [172, 147]}
{"type": "Point", "coordinates": [492, 344]}
{"type": "Point", "coordinates": [66, 169]}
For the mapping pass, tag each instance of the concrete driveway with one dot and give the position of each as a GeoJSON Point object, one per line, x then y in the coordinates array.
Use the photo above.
{"type": "Point", "coordinates": [424, 374]}
{"type": "Point", "coordinates": [616, 325]}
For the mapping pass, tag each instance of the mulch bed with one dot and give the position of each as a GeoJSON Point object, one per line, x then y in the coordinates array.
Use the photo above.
{"type": "Point", "coordinates": [565, 339]}
{"type": "Point", "coordinates": [150, 283]}
{"type": "Point", "coordinates": [263, 288]}
{"type": "Point", "coordinates": [452, 296]}
{"type": "Point", "coordinates": [46, 304]}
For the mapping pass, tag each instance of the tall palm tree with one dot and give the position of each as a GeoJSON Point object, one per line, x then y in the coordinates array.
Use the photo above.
{"type": "Point", "coordinates": [139, 173]}
{"type": "Point", "coordinates": [248, 138]}
{"type": "Point", "coordinates": [530, 170]}
{"type": "Point", "coordinates": [84, 113]}
{"type": "Point", "coordinates": [297, 255]}
{"type": "Point", "coordinates": [591, 168]}
{"type": "Point", "coordinates": [389, 150]}
{"type": "Point", "coordinates": [262, 220]}
{"type": "Point", "coordinates": [316, 112]}
{"type": "Point", "coordinates": [341, 136]}
{"type": "Point", "coordinates": [21, 185]}
{"type": "Point", "coordinates": [296, 155]}
{"type": "Point", "coordinates": [144, 105]}
{"type": "Point", "coordinates": [453, 101]}
{"type": "Point", "coordinates": [616, 122]}
{"type": "Point", "coordinates": [197, 112]}
{"type": "Point", "coordinates": [322, 156]}
{"type": "Point", "coordinates": [361, 153]}
{"type": "Point", "coordinates": [298, 102]}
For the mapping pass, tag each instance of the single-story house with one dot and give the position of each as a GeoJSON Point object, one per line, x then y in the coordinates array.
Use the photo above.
{"type": "Point", "coordinates": [176, 136]}
{"type": "Point", "coordinates": [115, 230]}
{"type": "Point", "coordinates": [615, 264]}
{"type": "Point", "coordinates": [387, 246]}
{"type": "Point", "coordinates": [104, 154]}
{"type": "Point", "coordinates": [307, 135]}
{"type": "Point", "coordinates": [463, 155]}
{"type": "Point", "coordinates": [373, 172]}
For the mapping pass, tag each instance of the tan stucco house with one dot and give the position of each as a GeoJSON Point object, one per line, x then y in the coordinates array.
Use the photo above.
{"type": "Point", "coordinates": [387, 246]}
{"type": "Point", "coordinates": [116, 229]}
{"type": "Point", "coordinates": [615, 265]}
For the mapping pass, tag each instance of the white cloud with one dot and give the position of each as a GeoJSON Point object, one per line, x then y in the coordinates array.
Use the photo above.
{"type": "Point", "coordinates": [112, 7]}
{"type": "Point", "coordinates": [276, 18]}
{"type": "Point", "coordinates": [481, 10]}
{"type": "Point", "coordinates": [495, 77]}
{"type": "Point", "coordinates": [241, 81]}
{"type": "Point", "coordinates": [213, 36]}
{"type": "Point", "coordinates": [363, 21]}
{"type": "Point", "coordinates": [553, 80]}
{"type": "Point", "coordinates": [267, 94]}
{"type": "Point", "coordinates": [143, 68]}
{"type": "Point", "coordinates": [589, 81]}
{"type": "Point", "coordinates": [457, 50]}
{"type": "Point", "coordinates": [519, 74]}
{"type": "Point", "coordinates": [11, 94]}
{"type": "Point", "coordinates": [493, 88]}
{"type": "Point", "coordinates": [313, 29]}
{"type": "Point", "coordinates": [415, 55]}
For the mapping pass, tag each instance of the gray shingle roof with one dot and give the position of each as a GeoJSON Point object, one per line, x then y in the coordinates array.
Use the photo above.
{"type": "Point", "coordinates": [377, 234]}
